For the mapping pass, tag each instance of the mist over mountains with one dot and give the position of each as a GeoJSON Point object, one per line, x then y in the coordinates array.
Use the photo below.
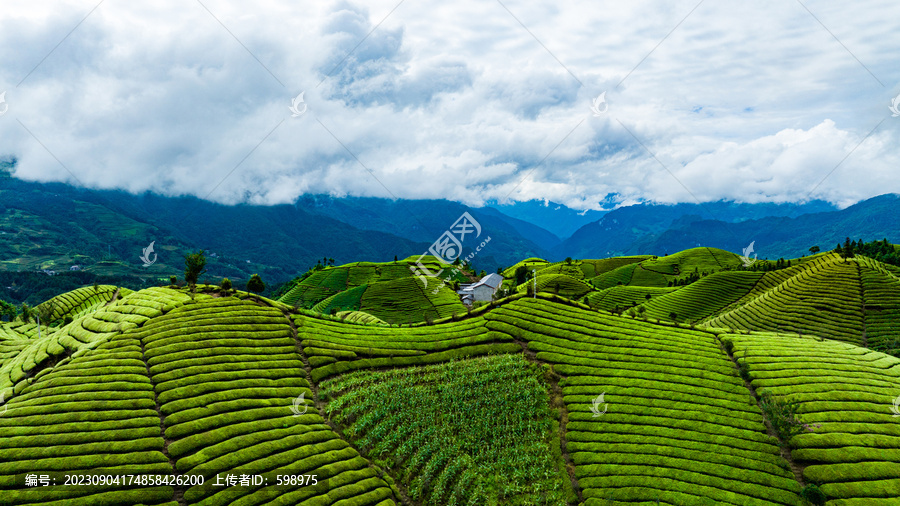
{"type": "Point", "coordinates": [55, 226]}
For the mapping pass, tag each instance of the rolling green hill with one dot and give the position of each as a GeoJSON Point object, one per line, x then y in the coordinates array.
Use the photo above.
{"type": "Point", "coordinates": [845, 393]}
{"type": "Point", "coordinates": [667, 270]}
{"type": "Point", "coordinates": [322, 284]}
{"type": "Point", "coordinates": [404, 300]}
{"type": "Point", "coordinates": [524, 401]}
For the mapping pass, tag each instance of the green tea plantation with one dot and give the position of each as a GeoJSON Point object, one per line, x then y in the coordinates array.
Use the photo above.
{"type": "Point", "coordinates": [687, 379]}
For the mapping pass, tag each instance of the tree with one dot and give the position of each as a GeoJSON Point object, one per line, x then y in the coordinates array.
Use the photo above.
{"type": "Point", "coordinates": [8, 310]}
{"type": "Point", "coordinates": [847, 250]}
{"type": "Point", "coordinates": [482, 274]}
{"type": "Point", "coordinates": [194, 264]}
{"type": "Point", "coordinates": [568, 260]}
{"type": "Point", "coordinates": [395, 258]}
{"type": "Point", "coordinates": [173, 280]}
{"type": "Point", "coordinates": [26, 313]}
{"type": "Point", "coordinates": [225, 285]}
{"type": "Point", "coordinates": [673, 316]}
{"type": "Point", "coordinates": [521, 274]}
{"type": "Point", "coordinates": [814, 250]}
{"type": "Point", "coordinates": [255, 284]}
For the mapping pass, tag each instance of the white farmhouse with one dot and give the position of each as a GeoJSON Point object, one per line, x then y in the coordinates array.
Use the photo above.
{"type": "Point", "coordinates": [483, 290]}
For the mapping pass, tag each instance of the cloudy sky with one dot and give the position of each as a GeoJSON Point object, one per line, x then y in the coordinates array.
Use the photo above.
{"type": "Point", "coordinates": [471, 100]}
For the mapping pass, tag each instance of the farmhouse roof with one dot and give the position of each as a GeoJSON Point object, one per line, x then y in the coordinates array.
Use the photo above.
{"type": "Point", "coordinates": [492, 280]}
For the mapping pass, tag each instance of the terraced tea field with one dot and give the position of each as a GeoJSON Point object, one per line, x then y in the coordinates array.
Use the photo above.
{"type": "Point", "coordinates": [847, 394]}
{"type": "Point", "coordinates": [405, 300]}
{"type": "Point", "coordinates": [332, 280]}
{"type": "Point", "coordinates": [550, 399]}
{"type": "Point", "coordinates": [559, 284]}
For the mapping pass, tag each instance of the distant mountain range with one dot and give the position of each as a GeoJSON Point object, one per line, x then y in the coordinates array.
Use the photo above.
{"type": "Point", "coordinates": [55, 226]}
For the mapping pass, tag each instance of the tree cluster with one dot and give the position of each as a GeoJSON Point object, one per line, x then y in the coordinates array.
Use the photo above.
{"type": "Point", "coordinates": [882, 250]}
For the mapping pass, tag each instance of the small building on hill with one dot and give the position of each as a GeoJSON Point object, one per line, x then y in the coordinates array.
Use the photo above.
{"type": "Point", "coordinates": [483, 290]}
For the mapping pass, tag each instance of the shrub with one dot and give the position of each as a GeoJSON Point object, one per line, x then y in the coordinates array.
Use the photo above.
{"type": "Point", "coordinates": [173, 280]}
{"type": "Point", "coordinates": [812, 494]}
{"type": "Point", "coordinates": [783, 416]}
{"type": "Point", "coordinates": [255, 284]}
{"type": "Point", "coordinates": [744, 368]}
{"type": "Point", "coordinates": [226, 284]}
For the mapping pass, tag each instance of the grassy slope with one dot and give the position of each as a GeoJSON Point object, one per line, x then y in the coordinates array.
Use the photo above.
{"type": "Point", "coordinates": [404, 300]}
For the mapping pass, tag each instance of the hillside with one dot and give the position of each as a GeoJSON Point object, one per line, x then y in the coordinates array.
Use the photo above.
{"type": "Point", "coordinates": [650, 228]}
{"type": "Point", "coordinates": [777, 230]}
{"type": "Point", "coordinates": [528, 400]}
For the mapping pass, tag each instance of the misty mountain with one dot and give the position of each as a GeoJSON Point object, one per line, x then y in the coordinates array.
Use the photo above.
{"type": "Point", "coordinates": [426, 220]}
{"type": "Point", "coordinates": [562, 221]}
{"type": "Point", "coordinates": [777, 230]}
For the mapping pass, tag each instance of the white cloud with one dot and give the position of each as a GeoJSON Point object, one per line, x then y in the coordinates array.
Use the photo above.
{"type": "Point", "coordinates": [753, 102]}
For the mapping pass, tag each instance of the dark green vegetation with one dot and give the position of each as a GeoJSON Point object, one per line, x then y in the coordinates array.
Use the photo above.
{"type": "Point", "coordinates": [448, 445]}
{"type": "Point", "coordinates": [740, 388]}
{"type": "Point", "coordinates": [36, 287]}
{"type": "Point", "coordinates": [55, 226]}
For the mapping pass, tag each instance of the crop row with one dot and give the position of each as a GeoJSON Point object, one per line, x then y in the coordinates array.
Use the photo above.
{"type": "Point", "coordinates": [823, 299]}
{"type": "Point", "coordinates": [881, 291]}
{"type": "Point", "coordinates": [95, 411]}
{"type": "Point", "coordinates": [528, 264]}
{"type": "Point", "coordinates": [850, 441]}
{"type": "Point", "coordinates": [78, 301]}
{"type": "Point", "coordinates": [408, 300]}
{"type": "Point", "coordinates": [703, 298]}
{"type": "Point", "coordinates": [625, 296]}
{"type": "Point", "coordinates": [559, 284]}
{"type": "Point", "coordinates": [87, 331]}
{"type": "Point", "coordinates": [569, 269]}
{"type": "Point", "coordinates": [618, 276]}
{"type": "Point", "coordinates": [655, 381]}
{"type": "Point", "coordinates": [228, 380]}
{"type": "Point", "coordinates": [593, 268]}
{"type": "Point", "coordinates": [447, 445]}
{"type": "Point", "coordinates": [335, 347]}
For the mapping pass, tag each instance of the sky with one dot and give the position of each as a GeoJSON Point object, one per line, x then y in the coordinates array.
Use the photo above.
{"type": "Point", "coordinates": [472, 101]}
